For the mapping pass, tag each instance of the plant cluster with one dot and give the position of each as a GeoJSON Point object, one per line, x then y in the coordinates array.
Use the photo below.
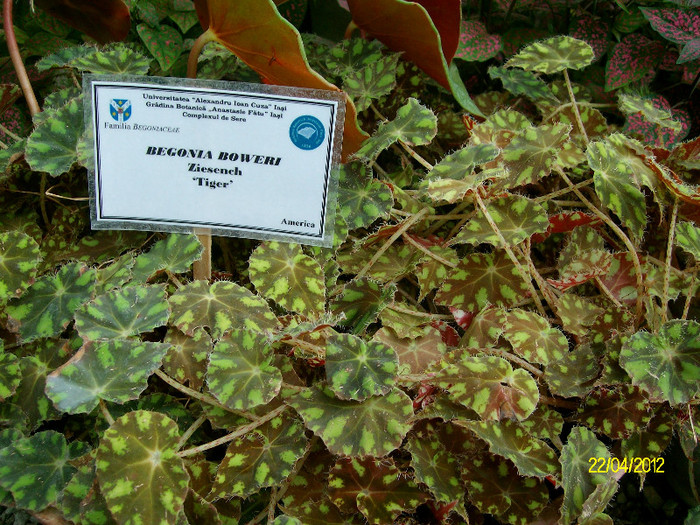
{"type": "Point", "coordinates": [510, 300]}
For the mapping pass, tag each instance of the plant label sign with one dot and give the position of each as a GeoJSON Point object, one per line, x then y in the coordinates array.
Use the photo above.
{"type": "Point", "coordinates": [242, 160]}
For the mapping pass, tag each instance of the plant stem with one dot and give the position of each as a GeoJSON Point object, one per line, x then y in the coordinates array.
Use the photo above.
{"type": "Point", "coordinates": [515, 359]}
{"type": "Point", "coordinates": [9, 133]}
{"type": "Point", "coordinates": [426, 251]}
{"type": "Point", "coordinates": [416, 156]}
{"type": "Point", "coordinates": [42, 200]}
{"type": "Point", "coordinates": [13, 48]}
{"type": "Point", "coordinates": [523, 274]}
{"type": "Point", "coordinates": [689, 297]}
{"type": "Point", "coordinates": [667, 268]}
{"type": "Point", "coordinates": [105, 412]}
{"type": "Point", "coordinates": [191, 430]}
{"type": "Point", "coordinates": [577, 115]}
{"type": "Point", "coordinates": [201, 269]}
{"type": "Point", "coordinates": [563, 191]}
{"type": "Point", "coordinates": [405, 226]}
{"type": "Point", "coordinates": [633, 251]}
{"type": "Point", "coordinates": [241, 431]}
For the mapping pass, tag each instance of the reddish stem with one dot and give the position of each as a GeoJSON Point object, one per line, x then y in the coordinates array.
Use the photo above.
{"type": "Point", "coordinates": [13, 48]}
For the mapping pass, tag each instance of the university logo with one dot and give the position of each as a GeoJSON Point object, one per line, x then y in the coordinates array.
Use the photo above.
{"type": "Point", "coordinates": [120, 109]}
{"type": "Point", "coordinates": [307, 132]}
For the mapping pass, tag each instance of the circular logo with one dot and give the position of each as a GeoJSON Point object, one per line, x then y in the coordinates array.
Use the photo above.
{"type": "Point", "coordinates": [307, 132]}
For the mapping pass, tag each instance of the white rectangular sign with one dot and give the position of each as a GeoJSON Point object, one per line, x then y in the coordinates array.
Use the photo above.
{"type": "Point", "coordinates": [242, 160]}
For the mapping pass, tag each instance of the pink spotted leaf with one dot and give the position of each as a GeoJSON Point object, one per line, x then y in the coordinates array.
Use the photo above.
{"type": "Point", "coordinates": [674, 24]}
{"type": "Point", "coordinates": [632, 59]}
{"type": "Point", "coordinates": [592, 30]}
{"type": "Point", "coordinates": [475, 43]}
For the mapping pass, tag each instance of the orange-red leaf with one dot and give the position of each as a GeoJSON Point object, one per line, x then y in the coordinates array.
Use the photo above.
{"type": "Point", "coordinates": [255, 32]}
{"type": "Point", "coordinates": [103, 20]}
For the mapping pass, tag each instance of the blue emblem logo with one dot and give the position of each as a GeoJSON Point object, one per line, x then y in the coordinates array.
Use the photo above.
{"type": "Point", "coordinates": [120, 109]}
{"type": "Point", "coordinates": [307, 132]}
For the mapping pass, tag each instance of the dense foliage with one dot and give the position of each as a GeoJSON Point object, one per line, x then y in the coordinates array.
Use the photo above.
{"type": "Point", "coordinates": [506, 326]}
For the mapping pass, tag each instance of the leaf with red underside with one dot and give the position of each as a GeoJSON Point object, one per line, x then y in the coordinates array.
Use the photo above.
{"type": "Point", "coordinates": [565, 222]}
{"type": "Point", "coordinates": [427, 32]}
{"type": "Point", "coordinates": [103, 20]}
{"type": "Point", "coordinates": [687, 154]}
{"type": "Point", "coordinates": [255, 32]}
{"type": "Point", "coordinates": [632, 59]}
{"type": "Point", "coordinates": [621, 278]}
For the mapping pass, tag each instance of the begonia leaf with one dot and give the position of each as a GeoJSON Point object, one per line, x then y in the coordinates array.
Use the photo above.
{"type": "Point", "coordinates": [281, 272]}
{"type": "Point", "coordinates": [186, 359]}
{"type": "Point", "coordinates": [651, 441]}
{"type": "Point", "coordinates": [490, 386]}
{"type": "Point", "coordinates": [175, 253]}
{"type": "Point", "coordinates": [494, 486]}
{"type": "Point", "coordinates": [19, 258]}
{"type": "Point", "coordinates": [679, 26]}
{"type": "Point", "coordinates": [459, 165]}
{"type": "Point", "coordinates": [105, 21]}
{"type": "Point", "coordinates": [373, 81]}
{"type": "Point", "coordinates": [117, 59]}
{"type": "Point", "coordinates": [499, 128]}
{"type": "Point", "coordinates": [435, 468]}
{"type": "Point", "coordinates": [688, 238]}
{"type": "Point", "coordinates": [361, 302]}
{"type": "Point", "coordinates": [553, 55]}
{"type": "Point", "coordinates": [533, 338]}
{"type": "Point", "coordinates": [480, 279]}
{"type": "Point", "coordinates": [261, 458]}
{"type": "Point", "coordinates": [36, 469]}
{"type": "Point", "coordinates": [114, 370]}
{"type": "Point", "coordinates": [351, 55]}
{"type": "Point", "coordinates": [631, 104]}
{"type": "Point", "coordinates": [592, 30]}
{"type": "Point", "coordinates": [52, 146]}
{"type": "Point", "coordinates": [357, 369]}
{"type": "Point", "coordinates": [361, 199]}
{"type": "Point", "coordinates": [507, 438]}
{"type": "Point", "coordinates": [529, 156]}
{"type": "Point", "coordinates": [48, 305]}
{"type": "Point", "coordinates": [140, 475]}
{"type": "Point", "coordinates": [10, 373]}
{"type": "Point", "coordinates": [222, 306]}
{"type": "Point", "coordinates": [544, 423]}
{"type": "Point", "coordinates": [417, 353]}
{"type": "Point", "coordinates": [665, 364]}
{"type": "Point", "coordinates": [374, 427]}
{"type": "Point", "coordinates": [516, 217]}
{"type": "Point", "coordinates": [122, 313]}
{"type": "Point", "coordinates": [255, 32]}
{"type": "Point", "coordinates": [414, 124]}
{"type": "Point", "coordinates": [573, 374]}
{"type": "Point", "coordinates": [164, 43]}
{"type": "Point", "coordinates": [432, 272]}
{"type": "Point", "coordinates": [577, 479]}
{"type": "Point", "coordinates": [616, 413]}
{"type": "Point", "coordinates": [82, 502]}
{"type": "Point", "coordinates": [520, 82]}
{"type": "Point", "coordinates": [240, 373]}
{"type": "Point", "coordinates": [393, 263]}
{"type": "Point", "coordinates": [374, 487]}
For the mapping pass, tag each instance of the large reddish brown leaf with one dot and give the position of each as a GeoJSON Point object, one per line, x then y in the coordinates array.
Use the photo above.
{"type": "Point", "coordinates": [428, 42]}
{"type": "Point", "coordinates": [103, 20]}
{"type": "Point", "coordinates": [255, 32]}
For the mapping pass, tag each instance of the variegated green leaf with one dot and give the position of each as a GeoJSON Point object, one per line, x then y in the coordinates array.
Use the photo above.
{"type": "Point", "coordinates": [186, 359]}
{"type": "Point", "coordinates": [373, 81]}
{"type": "Point", "coordinates": [573, 374]}
{"type": "Point", "coordinates": [141, 477]}
{"type": "Point", "coordinates": [631, 104]}
{"type": "Point", "coordinates": [516, 217]}
{"type": "Point", "coordinates": [494, 486]}
{"type": "Point", "coordinates": [164, 42]}
{"type": "Point", "coordinates": [665, 364]}
{"type": "Point", "coordinates": [82, 502]}
{"type": "Point", "coordinates": [490, 386]}
{"type": "Point", "coordinates": [459, 165]}
{"type": "Point", "coordinates": [48, 305]}
{"type": "Point", "coordinates": [500, 128]}
{"type": "Point", "coordinates": [374, 487]}
{"type": "Point", "coordinates": [123, 313]}
{"type": "Point", "coordinates": [240, 373]}
{"type": "Point", "coordinates": [509, 439]}
{"type": "Point", "coordinates": [614, 185]}
{"type": "Point", "coordinates": [436, 468]}
{"type": "Point", "coordinates": [361, 302]}
{"type": "Point", "coordinates": [616, 413]}
{"type": "Point", "coordinates": [10, 374]}
{"type": "Point", "coordinates": [520, 82]}
{"type": "Point", "coordinates": [361, 199]}
{"type": "Point", "coordinates": [688, 238]}
{"type": "Point", "coordinates": [352, 55]}
{"type": "Point", "coordinates": [175, 253]}
{"type": "Point", "coordinates": [554, 55]}
{"type": "Point", "coordinates": [481, 279]}
{"type": "Point", "coordinates": [37, 468]}
{"type": "Point", "coordinates": [19, 258]}
{"type": "Point", "coordinates": [222, 306]}
{"type": "Point", "coordinates": [261, 458]}
{"type": "Point", "coordinates": [295, 281]}
{"type": "Point", "coordinates": [114, 370]}
{"type": "Point", "coordinates": [533, 338]}
{"type": "Point", "coordinates": [577, 479]}
{"type": "Point", "coordinates": [414, 124]}
{"type": "Point", "coordinates": [116, 59]}
{"type": "Point", "coordinates": [374, 427]}
{"type": "Point", "coordinates": [52, 146]}
{"type": "Point", "coordinates": [357, 369]}
{"type": "Point", "coordinates": [63, 57]}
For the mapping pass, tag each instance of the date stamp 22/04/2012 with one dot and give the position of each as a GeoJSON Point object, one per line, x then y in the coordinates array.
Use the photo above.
{"type": "Point", "coordinates": [634, 464]}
